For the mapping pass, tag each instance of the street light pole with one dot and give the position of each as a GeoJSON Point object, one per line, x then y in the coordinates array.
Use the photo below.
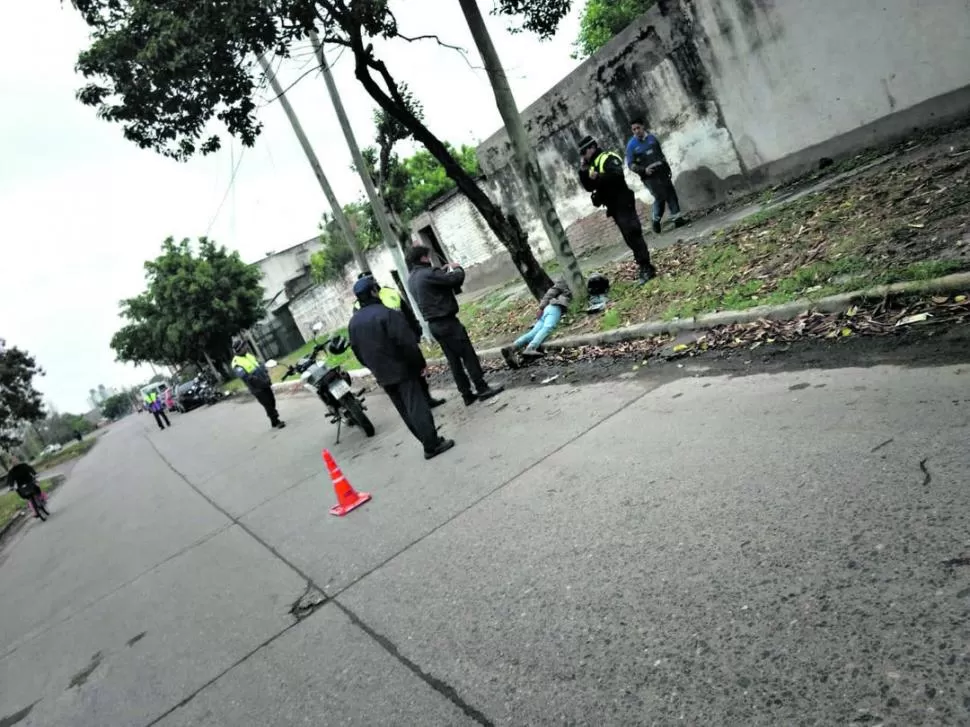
{"type": "Point", "coordinates": [524, 155]}
{"type": "Point", "coordinates": [377, 204]}
{"type": "Point", "coordinates": [338, 211]}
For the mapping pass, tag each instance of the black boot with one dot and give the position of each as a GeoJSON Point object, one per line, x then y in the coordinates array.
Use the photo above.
{"type": "Point", "coordinates": [655, 226]}
{"type": "Point", "coordinates": [435, 403]}
{"type": "Point", "coordinates": [443, 446]}
{"type": "Point", "coordinates": [469, 399]}
{"type": "Point", "coordinates": [487, 392]}
{"type": "Point", "coordinates": [681, 222]}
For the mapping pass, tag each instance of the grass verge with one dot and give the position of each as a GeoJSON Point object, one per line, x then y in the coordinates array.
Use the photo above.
{"type": "Point", "coordinates": [71, 451]}
{"type": "Point", "coordinates": [11, 503]}
{"type": "Point", "coordinates": [907, 220]}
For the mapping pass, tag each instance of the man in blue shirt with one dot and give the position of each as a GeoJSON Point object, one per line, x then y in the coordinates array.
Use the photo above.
{"type": "Point", "coordinates": [645, 159]}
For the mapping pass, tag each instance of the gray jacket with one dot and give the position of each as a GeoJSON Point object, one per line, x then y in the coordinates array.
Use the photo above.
{"type": "Point", "coordinates": [558, 294]}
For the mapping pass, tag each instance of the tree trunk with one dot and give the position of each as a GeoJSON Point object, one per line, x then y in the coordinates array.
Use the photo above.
{"type": "Point", "coordinates": [506, 229]}
{"type": "Point", "coordinates": [524, 155]}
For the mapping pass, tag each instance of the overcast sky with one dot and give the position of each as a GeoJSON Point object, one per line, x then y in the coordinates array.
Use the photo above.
{"type": "Point", "coordinates": [81, 209]}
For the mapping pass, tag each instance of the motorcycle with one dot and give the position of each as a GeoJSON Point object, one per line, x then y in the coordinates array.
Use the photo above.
{"type": "Point", "coordinates": [333, 385]}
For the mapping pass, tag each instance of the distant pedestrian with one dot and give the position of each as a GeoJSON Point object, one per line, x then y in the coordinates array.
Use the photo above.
{"type": "Point", "coordinates": [553, 305]}
{"type": "Point", "coordinates": [257, 379]}
{"type": "Point", "coordinates": [645, 159]}
{"type": "Point", "coordinates": [433, 290]}
{"type": "Point", "coordinates": [602, 174]}
{"type": "Point", "coordinates": [153, 402]}
{"type": "Point", "coordinates": [393, 300]}
{"type": "Point", "coordinates": [383, 342]}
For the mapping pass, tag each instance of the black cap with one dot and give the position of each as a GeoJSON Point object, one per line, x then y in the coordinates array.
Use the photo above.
{"type": "Point", "coordinates": [586, 142]}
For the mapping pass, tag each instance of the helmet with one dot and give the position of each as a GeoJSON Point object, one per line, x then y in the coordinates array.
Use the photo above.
{"type": "Point", "coordinates": [238, 346]}
{"type": "Point", "coordinates": [597, 284]}
{"type": "Point", "coordinates": [338, 344]}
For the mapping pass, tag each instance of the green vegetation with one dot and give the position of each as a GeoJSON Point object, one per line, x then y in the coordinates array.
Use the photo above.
{"type": "Point", "coordinates": [198, 297]}
{"type": "Point", "coordinates": [602, 20]}
{"type": "Point", "coordinates": [11, 503]}
{"type": "Point", "coordinates": [71, 451]}
{"type": "Point", "coordinates": [20, 402]}
{"type": "Point", "coordinates": [903, 222]}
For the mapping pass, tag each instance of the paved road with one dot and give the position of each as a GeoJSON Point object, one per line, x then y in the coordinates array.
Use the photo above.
{"type": "Point", "coordinates": [786, 548]}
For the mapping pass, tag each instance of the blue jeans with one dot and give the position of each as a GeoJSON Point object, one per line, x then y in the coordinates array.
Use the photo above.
{"type": "Point", "coordinates": [664, 194]}
{"type": "Point", "coordinates": [551, 316]}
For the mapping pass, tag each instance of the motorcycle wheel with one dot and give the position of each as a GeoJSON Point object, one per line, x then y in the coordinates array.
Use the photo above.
{"type": "Point", "coordinates": [356, 412]}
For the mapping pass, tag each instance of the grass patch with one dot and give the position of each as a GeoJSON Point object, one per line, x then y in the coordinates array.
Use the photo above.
{"type": "Point", "coordinates": [903, 221]}
{"type": "Point", "coordinates": [71, 451]}
{"type": "Point", "coordinates": [11, 503]}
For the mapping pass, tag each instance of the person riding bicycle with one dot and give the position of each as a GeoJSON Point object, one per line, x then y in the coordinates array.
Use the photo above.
{"type": "Point", "coordinates": [23, 478]}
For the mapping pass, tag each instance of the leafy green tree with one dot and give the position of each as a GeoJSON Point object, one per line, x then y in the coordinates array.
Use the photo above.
{"type": "Point", "coordinates": [602, 20]}
{"type": "Point", "coordinates": [20, 402]}
{"type": "Point", "coordinates": [171, 72]}
{"type": "Point", "coordinates": [329, 262]}
{"type": "Point", "coordinates": [116, 406]}
{"type": "Point", "coordinates": [194, 304]}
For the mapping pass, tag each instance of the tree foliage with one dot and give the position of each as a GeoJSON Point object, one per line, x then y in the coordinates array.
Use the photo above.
{"type": "Point", "coordinates": [328, 263]}
{"type": "Point", "coordinates": [116, 406]}
{"type": "Point", "coordinates": [171, 72]}
{"type": "Point", "coordinates": [602, 20]}
{"type": "Point", "coordinates": [20, 402]}
{"type": "Point", "coordinates": [194, 304]}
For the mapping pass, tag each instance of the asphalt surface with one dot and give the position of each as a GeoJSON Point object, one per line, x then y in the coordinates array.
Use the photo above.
{"type": "Point", "coordinates": [764, 544]}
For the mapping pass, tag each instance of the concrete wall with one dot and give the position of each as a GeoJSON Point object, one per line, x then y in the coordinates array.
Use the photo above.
{"type": "Point", "coordinates": [740, 92]}
{"type": "Point", "coordinates": [332, 303]}
{"type": "Point", "coordinates": [279, 267]}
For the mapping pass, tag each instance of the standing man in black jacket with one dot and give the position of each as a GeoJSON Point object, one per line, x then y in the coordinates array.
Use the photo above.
{"type": "Point", "coordinates": [383, 342]}
{"type": "Point", "coordinates": [433, 290]}
{"type": "Point", "coordinates": [601, 173]}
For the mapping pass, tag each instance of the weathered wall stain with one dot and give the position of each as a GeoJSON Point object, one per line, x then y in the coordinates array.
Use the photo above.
{"type": "Point", "coordinates": [738, 91]}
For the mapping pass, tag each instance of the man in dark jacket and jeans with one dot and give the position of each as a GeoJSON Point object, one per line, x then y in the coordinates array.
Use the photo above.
{"type": "Point", "coordinates": [383, 342]}
{"type": "Point", "coordinates": [433, 290]}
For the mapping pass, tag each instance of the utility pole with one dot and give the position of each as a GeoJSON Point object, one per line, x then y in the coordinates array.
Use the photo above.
{"type": "Point", "coordinates": [524, 155]}
{"type": "Point", "coordinates": [376, 203]}
{"type": "Point", "coordinates": [338, 211]}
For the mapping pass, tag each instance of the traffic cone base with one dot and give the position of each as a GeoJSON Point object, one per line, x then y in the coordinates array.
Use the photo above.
{"type": "Point", "coordinates": [348, 499]}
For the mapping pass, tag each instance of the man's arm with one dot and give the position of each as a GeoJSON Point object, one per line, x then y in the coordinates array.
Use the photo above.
{"type": "Point", "coordinates": [629, 151]}
{"type": "Point", "coordinates": [403, 340]}
{"type": "Point", "coordinates": [411, 319]}
{"type": "Point", "coordinates": [452, 279]}
{"type": "Point", "coordinates": [584, 179]}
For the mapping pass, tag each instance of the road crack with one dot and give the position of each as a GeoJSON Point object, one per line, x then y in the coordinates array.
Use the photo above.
{"type": "Point", "coordinates": [927, 477]}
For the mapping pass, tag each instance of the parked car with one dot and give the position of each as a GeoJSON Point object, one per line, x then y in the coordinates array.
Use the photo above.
{"type": "Point", "coordinates": [195, 393]}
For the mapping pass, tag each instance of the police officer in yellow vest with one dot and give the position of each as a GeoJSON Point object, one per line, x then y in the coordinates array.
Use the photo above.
{"type": "Point", "coordinates": [154, 404]}
{"type": "Point", "coordinates": [248, 368]}
{"type": "Point", "coordinates": [393, 300]}
{"type": "Point", "coordinates": [601, 173]}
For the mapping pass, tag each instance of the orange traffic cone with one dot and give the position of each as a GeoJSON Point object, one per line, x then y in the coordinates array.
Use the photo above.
{"type": "Point", "coordinates": [347, 497]}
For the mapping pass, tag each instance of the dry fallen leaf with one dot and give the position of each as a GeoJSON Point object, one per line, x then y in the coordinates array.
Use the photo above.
{"type": "Point", "coordinates": [846, 332]}
{"type": "Point", "coordinates": [960, 299]}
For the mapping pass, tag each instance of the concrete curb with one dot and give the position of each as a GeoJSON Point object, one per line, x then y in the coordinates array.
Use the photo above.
{"type": "Point", "coordinates": [957, 282]}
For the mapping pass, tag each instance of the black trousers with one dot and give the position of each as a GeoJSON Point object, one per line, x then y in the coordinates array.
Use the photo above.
{"type": "Point", "coordinates": [628, 221]}
{"type": "Point", "coordinates": [267, 398]}
{"type": "Point", "coordinates": [411, 403]}
{"type": "Point", "coordinates": [161, 416]}
{"type": "Point", "coordinates": [457, 346]}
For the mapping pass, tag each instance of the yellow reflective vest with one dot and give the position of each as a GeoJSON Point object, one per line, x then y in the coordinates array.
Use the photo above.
{"type": "Point", "coordinates": [247, 363]}
{"type": "Point", "coordinates": [599, 163]}
{"type": "Point", "coordinates": [389, 297]}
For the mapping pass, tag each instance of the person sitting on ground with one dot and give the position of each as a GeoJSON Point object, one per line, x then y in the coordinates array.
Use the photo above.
{"type": "Point", "coordinates": [551, 309]}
